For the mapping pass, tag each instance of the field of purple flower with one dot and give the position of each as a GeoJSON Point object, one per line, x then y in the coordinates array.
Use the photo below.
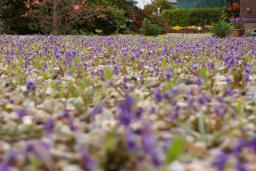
{"type": "Point", "coordinates": [127, 103]}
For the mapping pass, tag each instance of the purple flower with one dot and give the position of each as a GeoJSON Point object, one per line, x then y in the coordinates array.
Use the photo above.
{"type": "Point", "coordinates": [150, 146]}
{"type": "Point", "coordinates": [21, 113]}
{"type": "Point", "coordinates": [229, 61]}
{"type": "Point", "coordinates": [175, 112]}
{"type": "Point", "coordinates": [248, 68]}
{"type": "Point", "coordinates": [173, 92]}
{"type": "Point", "coordinates": [102, 75]}
{"type": "Point", "coordinates": [168, 75]}
{"type": "Point", "coordinates": [9, 58]}
{"type": "Point", "coordinates": [148, 139]}
{"type": "Point", "coordinates": [57, 54]}
{"type": "Point", "coordinates": [11, 156]}
{"type": "Point", "coordinates": [156, 158]}
{"type": "Point", "coordinates": [71, 124]}
{"type": "Point", "coordinates": [40, 150]}
{"type": "Point", "coordinates": [157, 94]}
{"type": "Point", "coordinates": [242, 143]}
{"type": "Point", "coordinates": [117, 69]}
{"type": "Point", "coordinates": [131, 140]}
{"type": "Point", "coordinates": [199, 81]}
{"type": "Point", "coordinates": [139, 112]}
{"type": "Point", "coordinates": [4, 167]}
{"type": "Point", "coordinates": [220, 110]}
{"type": "Point", "coordinates": [221, 161]}
{"type": "Point", "coordinates": [49, 125]}
{"type": "Point", "coordinates": [125, 111]}
{"type": "Point", "coordinates": [252, 145]}
{"type": "Point", "coordinates": [88, 163]}
{"type": "Point", "coordinates": [30, 84]}
{"type": "Point", "coordinates": [69, 55]}
{"type": "Point", "coordinates": [241, 167]}
{"type": "Point", "coordinates": [97, 109]}
{"type": "Point", "coordinates": [211, 66]}
{"type": "Point", "coordinates": [203, 99]}
{"type": "Point", "coordinates": [65, 114]}
{"type": "Point", "coordinates": [229, 92]}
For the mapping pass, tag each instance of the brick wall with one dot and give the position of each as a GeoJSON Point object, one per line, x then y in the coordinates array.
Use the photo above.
{"type": "Point", "coordinates": [250, 17]}
{"type": "Point", "coordinates": [250, 26]}
{"type": "Point", "coordinates": [244, 4]}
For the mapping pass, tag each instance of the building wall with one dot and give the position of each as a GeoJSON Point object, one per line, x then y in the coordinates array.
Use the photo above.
{"type": "Point", "coordinates": [200, 3]}
{"type": "Point", "coordinates": [250, 4]}
{"type": "Point", "coordinates": [204, 3]}
{"type": "Point", "coordinates": [249, 16]}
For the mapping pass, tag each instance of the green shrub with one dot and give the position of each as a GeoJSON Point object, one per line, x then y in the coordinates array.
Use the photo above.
{"type": "Point", "coordinates": [150, 29]}
{"type": "Point", "coordinates": [221, 29]}
{"type": "Point", "coordinates": [192, 17]}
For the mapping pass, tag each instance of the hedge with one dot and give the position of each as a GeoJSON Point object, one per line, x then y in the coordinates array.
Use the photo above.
{"type": "Point", "coordinates": [192, 17]}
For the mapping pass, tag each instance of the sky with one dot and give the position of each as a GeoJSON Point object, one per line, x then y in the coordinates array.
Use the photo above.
{"type": "Point", "coordinates": [141, 3]}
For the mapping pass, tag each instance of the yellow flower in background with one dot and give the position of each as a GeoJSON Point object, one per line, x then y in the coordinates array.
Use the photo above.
{"type": "Point", "coordinates": [177, 28]}
{"type": "Point", "coordinates": [208, 26]}
{"type": "Point", "coordinates": [199, 28]}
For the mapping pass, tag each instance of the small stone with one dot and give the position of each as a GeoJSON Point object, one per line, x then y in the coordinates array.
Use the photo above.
{"type": "Point", "coordinates": [47, 105]}
{"type": "Point", "coordinates": [176, 166]}
{"type": "Point", "coordinates": [27, 120]}
{"type": "Point", "coordinates": [71, 167]}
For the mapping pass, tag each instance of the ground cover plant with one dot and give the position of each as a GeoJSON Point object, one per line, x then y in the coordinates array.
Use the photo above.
{"type": "Point", "coordinates": [132, 103]}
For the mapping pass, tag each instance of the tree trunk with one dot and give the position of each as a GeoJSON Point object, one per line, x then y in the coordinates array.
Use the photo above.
{"type": "Point", "coordinates": [55, 17]}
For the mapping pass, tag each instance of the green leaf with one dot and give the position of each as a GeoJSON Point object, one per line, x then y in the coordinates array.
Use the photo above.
{"type": "Point", "coordinates": [204, 74]}
{"type": "Point", "coordinates": [240, 107]}
{"type": "Point", "coordinates": [170, 85]}
{"type": "Point", "coordinates": [202, 126]}
{"type": "Point", "coordinates": [35, 162]}
{"type": "Point", "coordinates": [72, 89]}
{"type": "Point", "coordinates": [108, 72]}
{"type": "Point", "coordinates": [110, 141]}
{"type": "Point", "coordinates": [164, 61]}
{"type": "Point", "coordinates": [98, 31]}
{"type": "Point", "coordinates": [37, 63]}
{"type": "Point", "coordinates": [176, 149]}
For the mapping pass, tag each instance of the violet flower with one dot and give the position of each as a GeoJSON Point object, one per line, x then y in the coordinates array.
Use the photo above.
{"type": "Point", "coordinates": [157, 94]}
{"type": "Point", "coordinates": [97, 109]}
{"type": "Point", "coordinates": [130, 139]}
{"type": "Point", "coordinates": [30, 84]}
{"type": "Point", "coordinates": [125, 111]}
{"type": "Point", "coordinates": [117, 69]}
{"type": "Point", "coordinates": [220, 110]}
{"type": "Point", "coordinates": [199, 81]}
{"type": "Point", "coordinates": [221, 161]}
{"type": "Point", "coordinates": [210, 66]}
{"type": "Point", "coordinates": [4, 167]}
{"type": "Point", "coordinates": [241, 167]}
{"type": "Point", "coordinates": [139, 112]}
{"type": "Point", "coordinates": [9, 58]}
{"type": "Point", "coordinates": [88, 163]}
{"type": "Point", "coordinates": [49, 126]}
{"type": "Point", "coordinates": [21, 113]}
{"type": "Point", "coordinates": [150, 146]}
{"type": "Point", "coordinates": [229, 61]}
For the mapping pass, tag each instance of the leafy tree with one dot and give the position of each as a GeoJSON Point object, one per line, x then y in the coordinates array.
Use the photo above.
{"type": "Point", "coordinates": [12, 12]}
{"type": "Point", "coordinates": [61, 16]}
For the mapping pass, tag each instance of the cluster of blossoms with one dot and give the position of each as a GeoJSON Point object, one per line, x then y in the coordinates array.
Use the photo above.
{"type": "Point", "coordinates": [127, 103]}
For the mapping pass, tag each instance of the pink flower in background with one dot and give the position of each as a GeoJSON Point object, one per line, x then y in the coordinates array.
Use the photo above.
{"type": "Point", "coordinates": [76, 7]}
